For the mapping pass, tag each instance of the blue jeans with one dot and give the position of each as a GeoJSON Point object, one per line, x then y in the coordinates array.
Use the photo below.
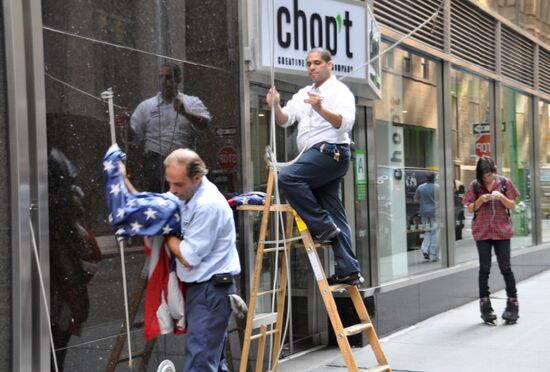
{"type": "Point", "coordinates": [502, 251]}
{"type": "Point", "coordinates": [430, 243]}
{"type": "Point", "coordinates": [208, 310]}
{"type": "Point", "coordinates": [312, 186]}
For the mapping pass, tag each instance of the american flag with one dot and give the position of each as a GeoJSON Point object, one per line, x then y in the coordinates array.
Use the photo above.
{"type": "Point", "coordinates": [143, 213]}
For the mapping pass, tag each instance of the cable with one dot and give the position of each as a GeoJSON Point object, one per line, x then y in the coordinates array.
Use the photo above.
{"type": "Point", "coordinates": [107, 43]}
{"type": "Point", "coordinates": [443, 2]}
{"type": "Point", "coordinates": [44, 297]}
{"type": "Point", "coordinates": [79, 90]}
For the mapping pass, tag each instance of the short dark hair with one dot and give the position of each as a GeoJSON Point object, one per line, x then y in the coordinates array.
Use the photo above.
{"type": "Point", "coordinates": [430, 177]}
{"type": "Point", "coordinates": [485, 164]}
{"type": "Point", "coordinates": [325, 54]}
{"type": "Point", "coordinates": [176, 69]}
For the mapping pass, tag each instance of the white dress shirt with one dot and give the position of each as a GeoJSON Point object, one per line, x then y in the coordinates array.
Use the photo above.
{"type": "Point", "coordinates": [312, 127]}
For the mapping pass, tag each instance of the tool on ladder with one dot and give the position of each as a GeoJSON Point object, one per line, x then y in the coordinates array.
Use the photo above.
{"type": "Point", "coordinates": [259, 326]}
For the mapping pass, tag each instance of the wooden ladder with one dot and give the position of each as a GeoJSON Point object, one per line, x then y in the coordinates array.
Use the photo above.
{"type": "Point", "coordinates": [259, 326]}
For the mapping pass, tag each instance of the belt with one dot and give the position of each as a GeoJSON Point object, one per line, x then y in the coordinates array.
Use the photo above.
{"type": "Point", "coordinates": [216, 278]}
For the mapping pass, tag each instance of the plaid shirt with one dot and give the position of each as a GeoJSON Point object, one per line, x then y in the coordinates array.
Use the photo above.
{"type": "Point", "coordinates": [492, 221]}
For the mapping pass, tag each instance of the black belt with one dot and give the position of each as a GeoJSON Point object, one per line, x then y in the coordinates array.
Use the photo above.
{"type": "Point", "coordinates": [218, 280]}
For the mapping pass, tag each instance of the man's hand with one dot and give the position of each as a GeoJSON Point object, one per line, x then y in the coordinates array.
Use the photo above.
{"type": "Point", "coordinates": [273, 97]}
{"type": "Point", "coordinates": [314, 100]}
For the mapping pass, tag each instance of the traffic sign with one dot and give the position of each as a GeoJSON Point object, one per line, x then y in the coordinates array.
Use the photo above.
{"type": "Point", "coordinates": [483, 145]}
{"type": "Point", "coordinates": [482, 128]}
{"type": "Point", "coordinates": [227, 157]}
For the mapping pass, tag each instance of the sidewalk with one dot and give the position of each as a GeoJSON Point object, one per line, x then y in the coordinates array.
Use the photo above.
{"type": "Point", "coordinates": [458, 341]}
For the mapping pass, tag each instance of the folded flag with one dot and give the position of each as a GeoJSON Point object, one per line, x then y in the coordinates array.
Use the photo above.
{"type": "Point", "coordinates": [143, 213]}
{"type": "Point", "coordinates": [252, 198]}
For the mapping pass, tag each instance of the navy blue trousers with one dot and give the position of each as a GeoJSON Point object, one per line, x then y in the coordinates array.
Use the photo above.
{"type": "Point", "coordinates": [313, 187]}
{"type": "Point", "coordinates": [208, 310]}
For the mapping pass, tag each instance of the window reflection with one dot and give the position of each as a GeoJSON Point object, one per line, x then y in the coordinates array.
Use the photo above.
{"type": "Point", "coordinates": [88, 48]}
{"type": "Point", "coordinates": [406, 137]}
{"type": "Point", "coordinates": [517, 160]}
{"type": "Point", "coordinates": [544, 156]}
{"type": "Point", "coordinates": [471, 138]}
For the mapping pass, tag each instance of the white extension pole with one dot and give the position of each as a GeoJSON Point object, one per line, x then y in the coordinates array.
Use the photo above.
{"type": "Point", "coordinates": [108, 95]}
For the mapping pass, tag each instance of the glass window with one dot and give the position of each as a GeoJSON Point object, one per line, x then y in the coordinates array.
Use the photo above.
{"type": "Point", "coordinates": [407, 128]}
{"type": "Point", "coordinates": [516, 160]}
{"type": "Point", "coordinates": [544, 167]}
{"type": "Point", "coordinates": [144, 51]}
{"type": "Point", "coordinates": [471, 138]}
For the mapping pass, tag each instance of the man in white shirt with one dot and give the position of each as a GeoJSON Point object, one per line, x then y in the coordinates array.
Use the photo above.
{"type": "Point", "coordinates": [165, 122]}
{"type": "Point", "coordinates": [325, 112]}
{"type": "Point", "coordinates": [207, 260]}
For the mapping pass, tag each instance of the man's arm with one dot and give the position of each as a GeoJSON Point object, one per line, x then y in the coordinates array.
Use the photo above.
{"type": "Point", "coordinates": [129, 185]}
{"type": "Point", "coordinates": [333, 118]}
{"type": "Point", "coordinates": [173, 243]}
{"type": "Point", "coordinates": [200, 121]}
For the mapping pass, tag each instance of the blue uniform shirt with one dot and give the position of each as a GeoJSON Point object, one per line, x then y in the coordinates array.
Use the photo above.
{"type": "Point", "coordinates": [209, 238]}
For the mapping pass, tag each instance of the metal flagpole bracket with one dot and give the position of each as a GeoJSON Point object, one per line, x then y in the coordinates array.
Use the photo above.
{"type": "Point", "coordinates": [108, 96]}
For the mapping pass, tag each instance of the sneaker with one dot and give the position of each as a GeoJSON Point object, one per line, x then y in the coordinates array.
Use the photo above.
{"type": "Point", "coordinates": [426, 255]}
{"type": "Point", "coordinates": [327, 234]}
{"type": "Point", "coordinates": [351, 279]}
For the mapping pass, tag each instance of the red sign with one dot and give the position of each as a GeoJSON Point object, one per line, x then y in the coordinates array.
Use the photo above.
{"type": "Point", "coordinates": [483, 145]}
{"type": "Point", "coordinates": [227, 157]}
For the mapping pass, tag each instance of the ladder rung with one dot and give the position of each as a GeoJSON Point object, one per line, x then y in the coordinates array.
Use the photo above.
{"type": "Point", "coordinates": [380, 368]}
{"type": "Point", "coordinates": [276, 249]}
{"type": "Point", "coordinates": [271, 291]}
{"type": "Point", "coordinates": [257, 336]}
{"type": "Point", "coordinates": [260, 208]}
{"type": "Point", "coordinates": [356, 328]}
{"type": "Point", "coordinates": [264, 319]}
{"type": "Point", "coordinates": [288, 240]}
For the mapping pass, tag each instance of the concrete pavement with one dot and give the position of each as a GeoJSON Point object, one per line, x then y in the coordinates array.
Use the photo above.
{"type": "Point", "coordinates": [458, 341]}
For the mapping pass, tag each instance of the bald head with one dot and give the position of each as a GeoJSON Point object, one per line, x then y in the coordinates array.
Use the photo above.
{"type": "Point", "coordinates": [189, 159]}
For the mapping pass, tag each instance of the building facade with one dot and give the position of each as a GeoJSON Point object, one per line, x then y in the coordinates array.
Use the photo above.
{"type": "Point", "coordinates": [472, 81]}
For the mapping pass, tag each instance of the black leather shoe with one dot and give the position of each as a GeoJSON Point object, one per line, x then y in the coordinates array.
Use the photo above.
{"type": "Point", "coordinates": [327, 235]}
{"type": "Point", "coordinates": [351, 279]}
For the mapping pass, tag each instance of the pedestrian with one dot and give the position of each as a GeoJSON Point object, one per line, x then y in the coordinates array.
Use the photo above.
{"type": "Point", "coordinates": [165, 122]}
{"type": "Point", "coordinates": [325, 112]}
{"type": "Point", "coordinates": [426, 194]}
{"type": "Point", "coordinates": [207, 259]}
{"type": "Point", "coordinates": [490, 197]}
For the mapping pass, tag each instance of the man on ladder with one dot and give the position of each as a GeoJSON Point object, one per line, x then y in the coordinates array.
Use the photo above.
{"type": "Point", "coordinates": [325, 112]}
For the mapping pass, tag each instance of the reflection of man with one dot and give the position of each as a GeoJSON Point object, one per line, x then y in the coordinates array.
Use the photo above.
{"type": "Point", "coordinates": [74, 254]}
{"type": "Point", "coordinates": [166, 122]}
{"type": "Point", "coordinates": [325, 112]}
{"type": "Point", "coordinates": [427, 195]}
{"type": "Point", "coordinates": [207, 259]}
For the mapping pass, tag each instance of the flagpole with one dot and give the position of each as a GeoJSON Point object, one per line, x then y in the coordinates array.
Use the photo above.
{"type": "Point", "coordinates": [108, 95]}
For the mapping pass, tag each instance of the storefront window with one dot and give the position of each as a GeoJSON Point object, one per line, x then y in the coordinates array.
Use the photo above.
{"type": "Point", "coordinates": [471, 138]}
{"type": "Point", "coordinates": [139, 49]}
{"type": "Point", "coordinates": [409, 175]}
{"type": "Point", "coordinates": [544, 168]}
{"type": "Point", "coordinates": [517, 159]}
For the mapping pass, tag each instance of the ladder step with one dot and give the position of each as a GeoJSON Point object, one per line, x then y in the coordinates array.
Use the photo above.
{"type": "Point", "coordinates": [259, 335]}
{"type": "Point", "coordinates": [264, 319]}
{"type": "Point", "coordinates": [380, 368]}
{"type": "Point", "coordinates": [269, 250]}
{"type": "Point", "coordinates": [356, 328]}
{"type": "Point", "coordinates": [287, 240]}
{"type": "Point", "coordinates": [271, 291]}
{"type": "Point", "coordinates": [260, 208]}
